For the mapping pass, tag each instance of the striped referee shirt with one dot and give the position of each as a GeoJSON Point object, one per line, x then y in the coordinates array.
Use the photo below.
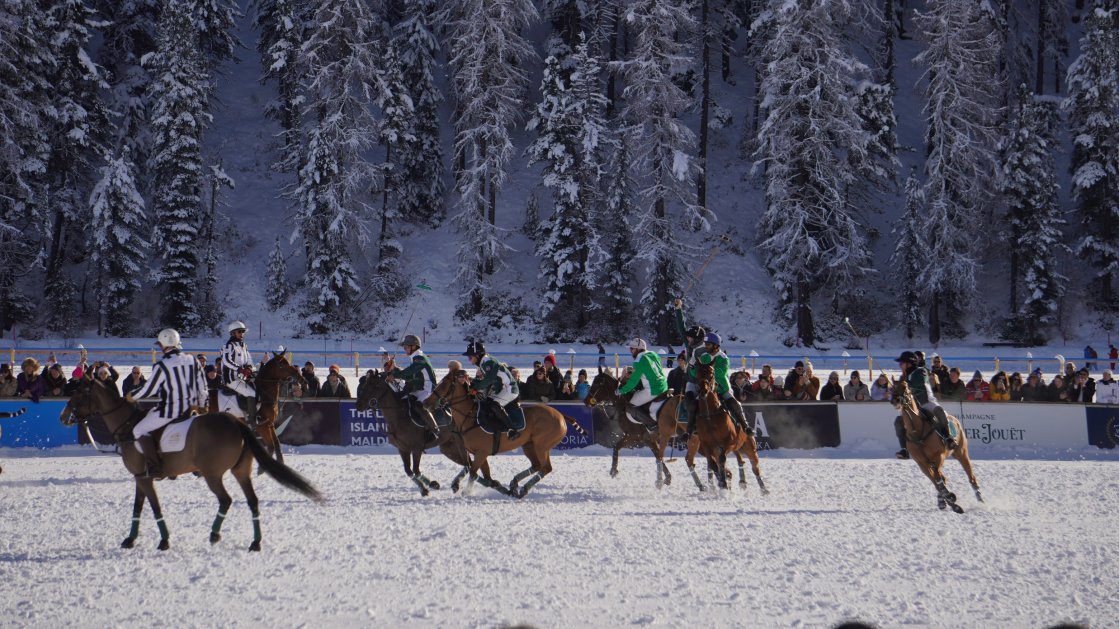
{"type": "Point", "coordinates": [234, 355]}
{"type": "Point", "coordinates": [179, 383]}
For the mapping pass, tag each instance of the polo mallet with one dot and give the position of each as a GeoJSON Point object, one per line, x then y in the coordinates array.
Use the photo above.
{"type": "Point", "coordinates": [866, 347]}
{"type": "Point", "coordinates": [711, 256]}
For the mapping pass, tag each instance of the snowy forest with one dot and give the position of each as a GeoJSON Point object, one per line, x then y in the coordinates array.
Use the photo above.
{"type": "Point", "coordinates": [936, 167]}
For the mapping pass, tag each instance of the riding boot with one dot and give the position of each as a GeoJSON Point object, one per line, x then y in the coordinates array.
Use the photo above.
{"type": "Point", "coordinates": [152, 467]}
{"type": "Point", "coordinates": [424, 415]}
{"type": "Point", "coordinates": [899, 429]}
{"type": "Point", "coordinates": [641, 413]}
{"type": "Point", "coordinates": [251, 417]}
{"type": "Point", "coordinates": [691, 408]}
{"type": "Point", "coordinates": [942, 421]}
{"type": "Point", "coordinates": [735, 410]}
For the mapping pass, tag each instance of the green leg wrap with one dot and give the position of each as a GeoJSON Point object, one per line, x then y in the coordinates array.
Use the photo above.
{"type": "Point", "coordinates": [256, 528]}
{"type": "Point", "coordinates": [163, 534]}
{"type": "Point", "coordinates": [216, 528]}
{"type": "Point", "coordinates": [134, 532]}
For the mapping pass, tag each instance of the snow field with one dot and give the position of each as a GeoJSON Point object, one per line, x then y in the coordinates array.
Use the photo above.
{"type": "Point", "coordinates": [837, 539]}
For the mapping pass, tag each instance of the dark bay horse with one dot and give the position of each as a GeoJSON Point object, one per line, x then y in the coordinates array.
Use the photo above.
{"type": "Point", "coordinates": [716, 432]}
{"type": "Point", "coordinates": [927, 448]}
{"type": "Point", "coordinates": [604, 388]}
{"type": "Point", "coordinates": [216, 442]}
{"type": "Point", "coordinates": [408, 438]}
{"type": "Point", "coordinates": [545, 427]}
{"type": "Point", "coordinates": [267, 383]}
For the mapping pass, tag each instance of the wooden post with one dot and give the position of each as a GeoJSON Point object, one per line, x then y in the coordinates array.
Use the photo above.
{"type": "Point", "coordinates": [357, 365]}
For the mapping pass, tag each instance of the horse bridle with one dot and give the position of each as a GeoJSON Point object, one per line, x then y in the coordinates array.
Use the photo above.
{"type": "Point", "coordinates": [121, 434]}
{"type": "Point", "coordinates": [909, 403]}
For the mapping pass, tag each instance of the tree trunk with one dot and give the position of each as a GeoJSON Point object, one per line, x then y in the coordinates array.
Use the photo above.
{"type": "Point", "coordinates": [611, 77]}
{"type": "Point", "coordinates": [705, 105]}
{"type": "Point", "coordinates": [384, 210]}
{"type": "Point", "coordinates": [805, 328]}
{"type": "Point", "coordinates": [934, 319]}
{"type": "Point", "coordinates": [1040, 77]}
{"type": "Point", "coordinates": [491, 202]}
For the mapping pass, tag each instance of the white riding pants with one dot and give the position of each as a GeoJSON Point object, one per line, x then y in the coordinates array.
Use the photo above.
{"type": "Point", "coordinates": [641, 397]}
{"type": "Point", "coordinates": [242, 387]}
{"type": "Point", "coordinates": [151, 422]}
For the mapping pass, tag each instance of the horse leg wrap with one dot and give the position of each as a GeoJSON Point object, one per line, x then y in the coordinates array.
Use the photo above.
{"type": "Point", "coordinates": [134, 531]}
{"type": "Point", "coordinates": [455, 483]}
{"type": "Point", "coordinates": [742, 475]}
{"type": "Point", "coordinates": [256, 528]}
{"type": "Point", "coordinates": [531, 482]}
{"type": "Point", "coordinates": [518, 478]}
{"type": "Point", "coordinates": [216, 528]}
{"type": "Point", "coordinates": [695, 477]}
{"type": "Point", "coordinates": [418, 480]}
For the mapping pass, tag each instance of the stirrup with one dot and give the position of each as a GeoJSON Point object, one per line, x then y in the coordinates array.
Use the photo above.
{"type": "Point", "coordinates": [902, 454]}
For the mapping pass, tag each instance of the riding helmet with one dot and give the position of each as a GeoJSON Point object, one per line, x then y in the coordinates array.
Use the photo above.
{"type": "Point", "coordinates": [236, 325]}
{"type": "Point", "coordinates": [907, 357]}
{"type": "Point", "coordinates": [713, 339]}
{"type": "Point", "coordinates": [638, 344]}
{"type": "Point", "coordinates": [695, 332]}
{"type": "Point", "coordinates": [410, 339]}
{"type": "Point", "coordinates": [169, 338]}
{"type": "Point", "coordinates": [475, 348]}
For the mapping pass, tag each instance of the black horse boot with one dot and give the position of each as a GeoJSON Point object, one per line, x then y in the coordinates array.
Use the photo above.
{"type": "Point", "coordinates": [739, 417]}
{"type": "Point", "coordinates": [152, 467]}
{"type": "Point", "coordinates": [899, 430]}
{"type": "Point", "coordinates": [942, 421]}
{"type": "Point", "coordinates": [641, 414]}
{"type": "Point", "coordinates": [691, 408]}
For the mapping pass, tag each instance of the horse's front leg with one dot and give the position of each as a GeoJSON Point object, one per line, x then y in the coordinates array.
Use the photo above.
{"type": "Point", "coordinates": [147, 485]}
{"type": "Point", "coordinates": [137, 509]}
{"type": "Point", "coordinates": [689, 458]}
{"type": "Point", "coordinates": [413, 474]}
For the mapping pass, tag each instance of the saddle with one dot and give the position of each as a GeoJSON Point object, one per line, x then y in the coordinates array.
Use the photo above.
{"type": "Point", "coordinates": [171, 437]}
{"type": "Point", "coordinates": [442, 418]}
{"type": "Point", "coordinates": [928, 416]}
{"type": "Point", "coordinates": [244, 403]}
{"type": "Point", "coordinates": [492, 425]}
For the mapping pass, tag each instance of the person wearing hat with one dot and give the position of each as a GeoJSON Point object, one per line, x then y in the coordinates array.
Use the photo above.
{"type": "Point", "coordinates": [54, 381]}
{"type": "Point", "coordinates": [647, 384]}
{"type": "Point", "coordinates": [419, 381]}
{"type": "Point", "coordinates": [856, 390]}
{"type": "Point", "coordinates": [920, 387]}
{"type": "Point", "coordinates": [1107, 389]}
{"type": "Point", "coordinates": [693, 346]}
{"type": "Point", "coordinates": [1083, 389]}
{"type": "Point", "coordinates": [74, 381]}
{"type": "Point", "coordinates": [7, 381]}
{"type": "Point", "coordinates": [236, 365]}
{"type": "Point", "coordinates": [497, 385]}
{"type": "Point", "coordinates": [554, 375]}
{"type": "Point", "coordinates": [713, 355]}
{"type": "Point", "coordinates": [1035, 389]}
{"type": "Point", "coordinates": [29, 383]}
{"type": "Point", "coordinates": [178, 382]}
{"type": "Point", "coordinates": [978, 390]}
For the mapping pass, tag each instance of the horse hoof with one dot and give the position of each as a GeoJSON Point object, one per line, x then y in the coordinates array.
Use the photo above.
{"type": "Point", "coordinates": [957, 508]}
{"type": "Point", "coordinates": [255, 546]}
{"type": "Point", "coordinates": [128, 542]}
{"type": "Point", "coordinates": [455, 487]}
{"type": "Point", "coordinates": [434, 485]}
{"type": "Point", "coordinates": [765, 491]}
{"type": "Point", "coordinates": [613, 473]}
{"type": "Point", "coordinates": [424, 492]}
{"type": "Point", "coordinates": [164, 544]}
{"type": "Point", "coordinates": [660, 484]}
{"type": "Point", "coordinates": [979, 497]}
{"type": "Point", "coordinates": [215, 538]}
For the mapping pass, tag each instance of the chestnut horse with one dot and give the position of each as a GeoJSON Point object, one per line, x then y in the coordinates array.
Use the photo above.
{"type": "Point", "coordinates": [927, 448]}
{"type": "Point", "coordinates": [545, 427]}
{"type": "Point", "coordinates": [215, 443]}
{"type": "Point", "coordinates": [718, 436]}
{"type": "Point", "coordinates": [604, 388]}
{"type": "Point", "coordinates": [408, 438]}
{"type": "Point", "coordinates": [267, 383]}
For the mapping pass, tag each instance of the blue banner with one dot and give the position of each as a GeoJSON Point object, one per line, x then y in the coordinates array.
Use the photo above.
{"type": "Point", "coordinates": [38, 427]}
{"type": "Point", "coordinates": [1103, 426]}
{"type": "Point", "coordinates": [362, 428]}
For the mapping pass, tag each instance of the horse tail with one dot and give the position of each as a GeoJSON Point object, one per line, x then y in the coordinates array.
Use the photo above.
{"type": "Point", "coordinates": [283, 474]}
{"type": "Point", "coordinates": [574, 424]}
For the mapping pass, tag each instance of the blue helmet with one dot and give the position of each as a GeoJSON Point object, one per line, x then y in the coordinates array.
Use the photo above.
{"type": "Point", "coordinates": [713, 339]}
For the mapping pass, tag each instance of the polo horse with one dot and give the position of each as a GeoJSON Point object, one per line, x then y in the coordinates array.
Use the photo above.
{"type": "Point", "coordinates": [214, 443]}
{"type": "Point", "coordinates": [267, 383]}
{"type": "Point", "coordinates": [544, 428]}
{"type": "Point", "coordinates": [410, 438]}
{"type": "Point", "coordinates": [716, 432]}
{"type": "Point", "coordinates": [604, 389]}
{"type": "Point", "coordinates": [927, 448]}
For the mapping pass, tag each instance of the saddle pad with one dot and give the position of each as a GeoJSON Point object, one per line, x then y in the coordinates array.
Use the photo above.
{"type": "Point", "coordinates": [229, 401]}
{"type": "Point", "coordinates": [953, 431]}
{"type": "Point", "coordinates": [490, 424]}
{"type": "Point", "coordinates": [174, 437]}
{"type": "Point", "coordinates": [655, 408]}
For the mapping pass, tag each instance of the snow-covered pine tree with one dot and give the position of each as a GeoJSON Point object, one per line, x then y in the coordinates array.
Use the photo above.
{"type": "Point", "coordinates": [531, 226]}
{"type": "Point", "coordinates": [179, 116]}
{"type": "Point", "coordinates": [215, 22]}
{"type": "Point", "coordinates": [421, 162]}
{"type": "Point", "coordinates": [909, 256]}
{"type": "Point", "coordinates": [612, 303]}
{"type": "Point", "coordinates": [130, 32]}
{"type": "Point", "coordinates": [875, 107]}
{"type": "Point", "coordinates": [1052, 42]}
{"type": "Point", "coordinates": [1093, 114]}
{"type": "Point", "coordinates": [397, 117]}
{"type": "Point", "coordinates": [488, 58]}
{"type": "Point", "coordinates": [570, 128]}
{"type": "Point", "coordinates": [210, 311]}
{"type": "Point", "coordinates": [340, 66]}
{"type": "Point", "coordinates": [1029, 188]}
{"type": "Point", "coordinates": [963, 91]}
{"type": "Point", "coordinates": [119, 245]}
{"type": "Point", "coordinates": [79, 128]}
{"type": "Point", "coordinates": [663, 148]}
{"type": "Point", "coordinates": [813, 146]}
{"type": "Point", "coordinates": [277, 277]}
{"type": "Point", "coordinates": [282, 26]}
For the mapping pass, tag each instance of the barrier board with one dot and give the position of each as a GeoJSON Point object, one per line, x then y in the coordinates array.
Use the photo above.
{"type": "Point", "coordinates": [39, 427]}
{"type": "Point", "coordinates": [1103, 426]}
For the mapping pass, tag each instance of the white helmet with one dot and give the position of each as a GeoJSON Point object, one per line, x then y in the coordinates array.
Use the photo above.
{"type": "Point", "coordinates": [237, 325]}
{"type": "Point", "coordinates": [280, 350]}
{"type": "Point", "coordinates": [168, 337]}
{"type": "Point", "coordinates": [638, 344]}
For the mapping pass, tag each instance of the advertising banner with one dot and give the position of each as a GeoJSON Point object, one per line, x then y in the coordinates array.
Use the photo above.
{"type": "Point", "coordinates": [312, 421]}
{"type": "Point", "coordinates": [800, 425]}
{"type": "Point", "coordinates": [37, 427]}
{"type": "Point", "coordinates": [582, 414]}
{"type": "Point", "coordinates": [1103, 426]}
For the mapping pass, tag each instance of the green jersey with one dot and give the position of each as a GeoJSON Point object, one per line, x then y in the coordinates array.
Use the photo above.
{"type": "Point", "coordinates": [495, 378]}
{"type": "Point", "coordinates": [419, 376]}
{"type": "Point", "coordinates": [722, 370]}
{"type": "Point", "coordinates": [647, 369]}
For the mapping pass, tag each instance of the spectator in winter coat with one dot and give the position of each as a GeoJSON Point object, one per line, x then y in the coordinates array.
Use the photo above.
{"type": "Point", "coordinates": [978, 390]}
{"type": "Point", "coordinates": [1070, 373]}
{"type": "Point", "coordinates": [7, 381]}
{"type": "Point", "coordinates": [1015, 387]}
{"type": "Point", "coordinates": [582, 387]}
{"type": "Point", "coordinates": [1090, 355]}
{"type": "Point", "coordinates": [105, 374]}
{"type": "Point", "coordinates": [567, 389]}
{"type": "Point", "coordinates": [678, 376]}
{"type": "Point", "coordinates": [1113, 354]}
{"type": "Point", "coordinates": [940, 370]}
{"type": "Point", "coordinates": [133, 382]}
{"type": "Point", "coordinates": [213, 378]}
{"type": "Point", "coordinates": [30, 384]}
{"type": "Point", "coordinates": [334, 388]}
{"type": "Point", "coordinates": [1083, 389]}
{"type": "Point", "coordinates": [1057, 391]}
{"type": "Point", "coordinates": [54, 382]}
{"type": "Point", "coordinates": [1034, 390]}
{"type": "Point", "coordinates": [855, 390]}
{"type": "Point", "coordinates": [800, 384]}
{"type": "Point", "coordinates": [1000, 388]}
{"type": "Point", "coordinates": [73, 382]}
{"type": "Point", "coordinates": [1107, 389]}
{"type": "Point", "coordinates": [953, 389]}
{"type": "Point", "coordinates": [312, 388]}
{"type": "Point", "coordinates": [538, 387]}
{"type": "Point", "coordinates": [554, 375]}
{"type": "Point", "coordinates": [832, 391]}
{"type": "Point", "coordinates": [741, 386]}
{"type": "Point", "coordinates": [881, 390]}
{"type": "Point", "coordinates": [764, 391]}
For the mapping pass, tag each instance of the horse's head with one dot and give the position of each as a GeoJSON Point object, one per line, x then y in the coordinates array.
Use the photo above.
{"type": "Point", "coordinates": [89, 399]}
{"type": "Point", "coordinates": [375, 387]}
{"type": "Point", "coordinates": [901, 395]}
{"type": "Point", "coordinates": [602, 389]}
{"type": "Point", "coordinates": [704, 377]}
{"type": "Point", "coordinates": [278, 368]}
{"type": "Point", "coordinates": [453, 388]}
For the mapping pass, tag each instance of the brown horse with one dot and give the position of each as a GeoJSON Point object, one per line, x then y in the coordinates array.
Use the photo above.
{"type": "Point", "coordinates": [408, 438]}
{"type": "Point", "coordinates": [604, 388]}
{"type": "Point", "coordinates": [267, 383]}
{"type": "Point", "coordinates": [216, 442]}
{"type": "Point", "coordinates": [545, 427]}
{"type": "Point", "coordinates": [927, 448]}
{"type": "Point", "coordinates": [718, 436]}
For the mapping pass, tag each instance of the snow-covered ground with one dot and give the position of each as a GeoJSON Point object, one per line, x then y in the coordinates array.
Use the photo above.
{"type": "Point", "coordinates": [837, 539]}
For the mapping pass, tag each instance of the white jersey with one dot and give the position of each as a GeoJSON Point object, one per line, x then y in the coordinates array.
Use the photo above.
{"type": "Point", "coordinates": [234, 355]}
{"type": "Point", "coordinates": [178, 382]}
